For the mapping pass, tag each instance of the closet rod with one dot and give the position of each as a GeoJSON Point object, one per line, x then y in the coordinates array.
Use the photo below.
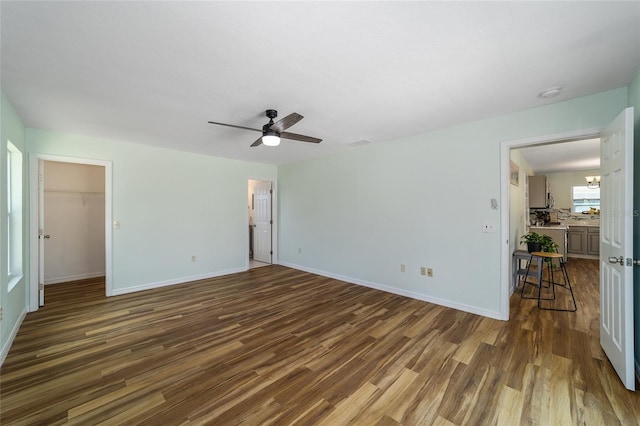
{"type": "Point", "coordinates": [72, 192]}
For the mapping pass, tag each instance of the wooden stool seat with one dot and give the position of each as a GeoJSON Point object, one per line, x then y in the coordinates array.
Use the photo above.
{"type": "Point", "coordinates": [547, 255]}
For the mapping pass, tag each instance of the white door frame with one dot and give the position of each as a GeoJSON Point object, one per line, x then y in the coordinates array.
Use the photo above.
{"type": "Point", "coordinates": [33, 219]}
{"type": "Point", "coordinates": [505, 148]}
{"type": "Point", "coordinates": [274, 218]}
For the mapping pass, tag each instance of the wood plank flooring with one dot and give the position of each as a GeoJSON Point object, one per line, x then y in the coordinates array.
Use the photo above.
{"type": "Point", "coordinates": [277, 346]}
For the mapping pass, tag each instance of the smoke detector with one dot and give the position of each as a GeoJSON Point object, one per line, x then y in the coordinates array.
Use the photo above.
{"type": "Point", "coordinates": [549, 93]}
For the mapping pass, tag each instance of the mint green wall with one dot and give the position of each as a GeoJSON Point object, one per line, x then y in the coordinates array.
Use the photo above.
{"type": "Point", "coordinates": [13, 303]}
{"type": "Point", "coordinates": [420, 201]}
{"type": "Point", "coordinates": [634, 101]}
{"type": "Point", "coordinates": [171, 205]}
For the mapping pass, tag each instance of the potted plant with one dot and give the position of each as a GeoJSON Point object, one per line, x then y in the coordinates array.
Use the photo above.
{"type": "Point", "coordinates": [537, 242]}
{"type": "Point", "coordinates": [533, 240]}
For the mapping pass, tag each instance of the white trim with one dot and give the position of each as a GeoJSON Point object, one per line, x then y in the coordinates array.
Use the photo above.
{"type": "Point", "coordinates": [582, 256]}
{"type": "Point", "coordinates": [74, 278]}
{"type": "Point", "coordinates": [14, 332]}
{"type": "Point", "coordinates": [505, 148]}
{"type": "Point", "coordinates": [183, 280]}
{"type": "Point", "coordinates": [393, 290]}
{"type": "Point", "coordinates": [13, 281]}
{"type": "Point", "coordinates": [34, 158]}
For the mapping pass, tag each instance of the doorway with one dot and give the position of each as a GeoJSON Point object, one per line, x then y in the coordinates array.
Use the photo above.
{"type": "Point", "coordinates": [513, 226]}
{"type": "Point", "coordinates": [260, 209]}
{"type": "Point", "coordinates": [73, 230]}
{"type": "Point", "coordinates": [616, 280]}
{"type": "Point", "coordinates": [69, 200]}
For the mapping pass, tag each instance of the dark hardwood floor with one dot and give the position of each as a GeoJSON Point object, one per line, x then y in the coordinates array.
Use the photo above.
{"type": "Point", "coordinates": [279, 346]}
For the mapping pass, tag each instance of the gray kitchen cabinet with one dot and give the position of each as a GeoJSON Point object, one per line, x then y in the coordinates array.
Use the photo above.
{"type": "Point", "coordinates": [577, 240]}
{"type": "Point", "coordinates": [583, 240]}
{"type": "Point", "coordinates": [538, 192]}
{"type": "Point", "coordinates": [593, 241]}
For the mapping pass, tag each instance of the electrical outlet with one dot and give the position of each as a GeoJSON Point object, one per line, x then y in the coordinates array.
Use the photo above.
{"type": "Point", "coordinates": [193, 258]}
{"type": "Point", "coordinates": [430, 272]}
{"type": "Point", "coordinates": [423, 270]}
{"type": "Point", "coordinates": [402, 267]}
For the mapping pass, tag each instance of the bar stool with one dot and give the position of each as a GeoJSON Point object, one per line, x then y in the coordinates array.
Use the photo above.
{"type": "Point", "coordinates": [566, 285]}
{"type": "Point", "coordinates": [520, 271]}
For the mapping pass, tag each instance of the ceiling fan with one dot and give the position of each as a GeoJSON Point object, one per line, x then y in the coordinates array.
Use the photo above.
{"type": "Point", "coordinates": [273, 132]}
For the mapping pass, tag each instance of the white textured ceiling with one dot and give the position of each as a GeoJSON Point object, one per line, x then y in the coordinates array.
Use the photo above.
{"type": "Point", "coordinates": [156, 72]}
{"type": "Point", "coordinates": [564, 156]}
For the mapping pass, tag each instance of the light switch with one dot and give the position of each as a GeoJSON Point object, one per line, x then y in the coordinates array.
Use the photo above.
{"type": "Point", "coordinates": [488, 227]}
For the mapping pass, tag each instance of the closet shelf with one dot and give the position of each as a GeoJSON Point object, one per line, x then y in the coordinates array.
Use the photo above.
{"type": "Point", "coordinates": [83, 193]}
{"type": "Point", "coordinates": [72, 192]}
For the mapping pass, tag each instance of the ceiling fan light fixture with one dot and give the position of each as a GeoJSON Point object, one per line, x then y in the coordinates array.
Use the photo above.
{"type": "Point", "coordinates": [271, 138]}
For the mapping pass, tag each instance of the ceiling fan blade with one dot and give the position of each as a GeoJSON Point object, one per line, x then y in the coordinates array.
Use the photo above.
{"type": "Point", "coordinates": [233, 125]}
{"type": "Point", "coordinates": [297, 137]}
{"type": "Point", "coordinates": [257, 142]}
{"type": "Point", "coordinates": [281, 125]}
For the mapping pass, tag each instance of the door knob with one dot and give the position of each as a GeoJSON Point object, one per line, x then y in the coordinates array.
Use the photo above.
{"type": "Point", "coordinates": [614, 259]}
{"type": "Point", "coordinates": [47, 236]}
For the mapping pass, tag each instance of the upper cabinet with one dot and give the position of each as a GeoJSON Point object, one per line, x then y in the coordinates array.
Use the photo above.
{"type": "Point", "coordinates": [538, 192]}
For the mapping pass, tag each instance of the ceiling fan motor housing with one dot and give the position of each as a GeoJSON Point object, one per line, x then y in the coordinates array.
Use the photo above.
{"type": "Point", "coordinates": [272, 113]}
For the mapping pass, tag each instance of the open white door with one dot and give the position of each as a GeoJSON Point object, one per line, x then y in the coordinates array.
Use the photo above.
{"type": "Point", "coordinates": [616, 245]}
{"type": "Point", "coordinates": [262, 222]}
{"type": "Point", "coordinates": [41, 235]}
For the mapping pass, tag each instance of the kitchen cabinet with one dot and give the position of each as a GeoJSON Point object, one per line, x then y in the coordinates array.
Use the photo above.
{"type": "Point", "coordinates": [577, 240]}
{"type": "Point", "coordinates": [593, 241]}
{"type": "Point", "coordinates": [583, 240]}
{"type": "Point", "coordinates": [538, 191]}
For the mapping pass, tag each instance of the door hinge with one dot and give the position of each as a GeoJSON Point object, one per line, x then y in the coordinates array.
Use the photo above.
{"type": "Point", "coordinates": [271, 222]}
{"type": "Point", "coordinates": [41, 286]}
{"type": "Point", "coordinates": [271, 252]}
{"type": "Point", "coordinates": [271, 191]}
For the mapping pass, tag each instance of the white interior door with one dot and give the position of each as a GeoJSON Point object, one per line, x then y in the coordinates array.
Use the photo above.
{"type": "Point", "coordinates": [262, 222]}
{"type": "Point", "coordinates": [616, 245]}
{"type": "Point", "coordinates": [41, 234]}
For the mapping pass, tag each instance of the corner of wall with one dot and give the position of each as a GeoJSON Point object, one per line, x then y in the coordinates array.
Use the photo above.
{"type": "Point", "coordinates": [13, 303]}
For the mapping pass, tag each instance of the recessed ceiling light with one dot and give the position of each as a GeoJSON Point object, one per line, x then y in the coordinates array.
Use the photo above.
{"type": "Point", "coordinates": [549, 93]}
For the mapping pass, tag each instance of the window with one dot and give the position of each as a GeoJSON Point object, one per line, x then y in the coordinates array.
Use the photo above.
{"type": "Point", "coordinates": [14, 214]}
{"type": "Point", "coordinates": [584, 198]}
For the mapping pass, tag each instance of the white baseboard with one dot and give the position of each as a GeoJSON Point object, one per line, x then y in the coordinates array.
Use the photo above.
{"type": "Point", "coordinates": [12, 336]}
{"type": "Point", "coordinates": [74, 278]}
{"type": "Point", "coordinates": [582, 256]}
{"type": "Point", "coordinates": [158, 284]}
{"type": "Point", "coordinates": [400, 292]}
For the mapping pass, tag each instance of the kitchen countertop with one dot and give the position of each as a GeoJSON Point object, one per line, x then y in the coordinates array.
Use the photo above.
{"type": "Point", "coordinates": [550, 227]}
{"type": "Point", "coordinates": [584, 222]}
